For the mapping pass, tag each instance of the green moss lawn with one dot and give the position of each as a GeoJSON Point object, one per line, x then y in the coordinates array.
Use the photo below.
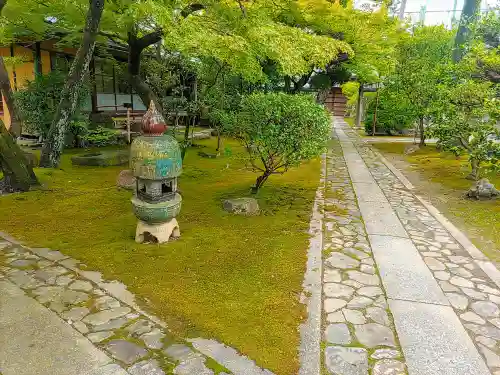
{"type": "Point", "coordinates": [233, 278]}
{"type": "Point", "coordinates": [480, 219]}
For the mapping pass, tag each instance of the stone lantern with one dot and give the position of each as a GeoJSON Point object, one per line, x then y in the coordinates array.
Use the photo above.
{"type": "Point", "coordinates": [156, 163]}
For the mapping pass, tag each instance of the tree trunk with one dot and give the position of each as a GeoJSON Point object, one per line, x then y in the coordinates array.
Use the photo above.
{"type": "Point", "coordinates": [186, 140]}
{"type": "Point", "coordinates": [474, 174]}
{"type": "Point", "coordinates": [136, 47]}
{"type": "Point", "coordinates": [6, 89]}
{"type": "Point", "coordinates": [260, 181]}
{"type": "Point", "coordinates": [421, 129]}
{"type": "Point", "coordinates": [469, 15]}
{"type": "Point", "coordinates": [18, 174]}
{"type": "Point", "coordinates": [53, 147]}
{"type": "Point", "coordinates": [219, 142]}
{"type": "Point", "coordinates": [359, 106]}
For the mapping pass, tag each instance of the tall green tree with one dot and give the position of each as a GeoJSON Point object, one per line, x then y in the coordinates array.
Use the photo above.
{"type": "Point", "coordinates": [421, 58]}
{"type": "Point", "coordinates": [469, 16]}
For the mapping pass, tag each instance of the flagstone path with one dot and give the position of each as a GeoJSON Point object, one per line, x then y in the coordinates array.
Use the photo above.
{"type": "Point", "coordinates": [398, 293]}
{"type": "Point", "coordinates": [56, 318]}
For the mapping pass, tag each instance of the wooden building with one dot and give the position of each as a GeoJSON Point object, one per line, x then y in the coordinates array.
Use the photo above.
{"type": "Point", "coordinates": [111, 88]}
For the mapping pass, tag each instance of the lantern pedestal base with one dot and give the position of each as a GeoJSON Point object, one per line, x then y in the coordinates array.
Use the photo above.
{"type": "Point", "coordinates": [161, 232]}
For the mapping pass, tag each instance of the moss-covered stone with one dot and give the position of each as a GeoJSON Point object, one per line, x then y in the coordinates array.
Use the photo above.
{"type": "Point", "coordinates": [102, 158]}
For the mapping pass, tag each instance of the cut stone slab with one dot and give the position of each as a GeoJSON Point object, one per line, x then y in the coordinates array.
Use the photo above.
{"type": "Point", "coordinates": [369, 192]}
{"type": "Point", "coordinates": [373, 334]}
{"type": "Point", "coordinates": [125, 351]}
{"type": "Point", "coordinates": [433, 340]}
{"type": "Point", "coordinates": [380, 219]}
{"type": "Point", "coordinates": [337, 334]}
{"type": "Point", "coordinates": [403, 272]}
{"type": "Point", "coordinates": [342, 261]}
{"type": "Point", "coordinates": [34, 340]}
{"type": "Point", "coordinates": [346, 361]}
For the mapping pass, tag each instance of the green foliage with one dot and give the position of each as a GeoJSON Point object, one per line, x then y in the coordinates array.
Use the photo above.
{"type": "Point", "coordinates": [467, 123]}
{"type": "Point", "coordinates": [101, 137]}
{"type": "Point", "coordinates": [38, 100]}
{"type": "Point", "coordinates": [394, 112]}
{"type": "Point", "coordinates": [279, 131]}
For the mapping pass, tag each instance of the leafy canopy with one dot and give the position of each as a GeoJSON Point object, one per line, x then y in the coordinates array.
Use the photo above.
{"type": "Point", "coordinates": [241, 38]}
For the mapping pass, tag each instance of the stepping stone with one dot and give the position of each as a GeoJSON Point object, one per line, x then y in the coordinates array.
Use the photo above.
{"type": "Point", "coordinates": [373, 334]}
{"type": "Point", "coordinates": [386, 354]}
{"type": "Point", "coordinates": [342, 261]}
{"type": "Point", "coordinates": [150, 367]}
{"type": "Point", "coordinates": [81, 285]}
{"type": "Point", "coordinates": [106, 315]}
{"type": "Point", "coordinates": [378, 315]}
{"type": "Point", "coordinates": [336, 317]}
{"type": "Point", "coordinates": [338, 290]}
{"type": "Point", "coordinates": [359, 302]}
{"type": "Point", "coordinates": [363, 278]}
{"type": "Point", "coordinates": [370, 291]}
{"type": "Point", "coordinates": [460, 281]}
{"type": "Point", "coordinates": [76, 313]}
{"type": "Point", "coordinates": [153, 339]}
{"type": "Point", "coordinates": [332, 276]}
{"type": "Point", "coordinates": [346, 361]}
{"type": "Point", "coordinates": [354, 316]}
{"type": "Point", "coordinates": [333, 304]}
{"type": "Point", "coordinates": [338, 334]}
{"type": "Point", "coordinates": [469, 316]}
{"type": "Point", "coordinates": [490, 343]}
{"type": "Point", "coordinates": [99, 336]}
{"type": "Point", "coordinates": [486, 309]}
{"type": "Point", "coordinates": [389, 367]}
{"type": "Point", "coordinates": [458, 301]}
{"type": "Point", "coordinates": [111, 325]}
{"type": "Point", "coordinates": [125, 351]}
{"type": "Point", "coordinates": [492, 359]}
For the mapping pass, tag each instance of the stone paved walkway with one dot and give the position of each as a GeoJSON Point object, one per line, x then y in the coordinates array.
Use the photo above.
{"type": "Point", "coordinates": [56, 318]}
{"type": "Point", "coordinates": [399, 294]}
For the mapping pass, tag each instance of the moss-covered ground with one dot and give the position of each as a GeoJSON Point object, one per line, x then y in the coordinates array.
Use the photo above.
{"type": "Point", "coordinates": [233, 278]}
{"type": "Point", "coordinates": [446, 174]}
